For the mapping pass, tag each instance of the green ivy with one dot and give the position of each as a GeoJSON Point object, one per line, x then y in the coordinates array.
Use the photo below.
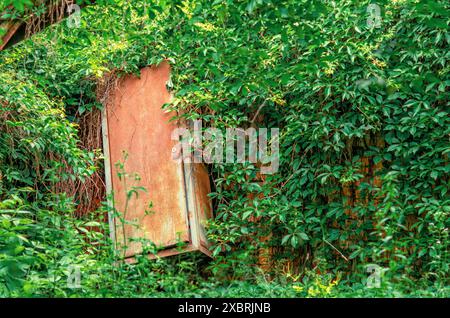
{"type": "Point", "coordinates": [342, 92]}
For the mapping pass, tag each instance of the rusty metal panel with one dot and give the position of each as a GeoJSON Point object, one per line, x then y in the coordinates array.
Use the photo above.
{"type": "Point", "coordinates": [137, 125]}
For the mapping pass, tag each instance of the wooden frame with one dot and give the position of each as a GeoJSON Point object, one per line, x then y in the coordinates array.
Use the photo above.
{"type": "Point", "coordinates": [11, 28]}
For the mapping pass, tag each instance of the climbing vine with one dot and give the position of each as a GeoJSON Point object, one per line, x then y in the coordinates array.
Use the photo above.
{"type": "Point", "coordinates": [362, 107]}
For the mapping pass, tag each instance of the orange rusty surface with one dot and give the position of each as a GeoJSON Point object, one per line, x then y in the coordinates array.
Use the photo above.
{"type": "Point", "coordinates": [138, 125]}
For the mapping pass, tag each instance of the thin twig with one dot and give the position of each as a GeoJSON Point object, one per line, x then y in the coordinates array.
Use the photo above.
{"type": "Point", "coordinates": [343, 256]}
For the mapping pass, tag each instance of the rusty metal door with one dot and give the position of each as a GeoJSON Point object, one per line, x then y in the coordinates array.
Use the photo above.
{"type": "Point", "coordinates": [134, 124]}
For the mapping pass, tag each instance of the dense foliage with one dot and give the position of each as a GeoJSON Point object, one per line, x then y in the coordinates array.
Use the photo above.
{"type": "Point", "coordinates": [363, 111]}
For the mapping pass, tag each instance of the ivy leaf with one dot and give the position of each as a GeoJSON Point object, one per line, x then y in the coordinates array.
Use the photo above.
{"type": "Point", "coordinates": [303, 236]}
